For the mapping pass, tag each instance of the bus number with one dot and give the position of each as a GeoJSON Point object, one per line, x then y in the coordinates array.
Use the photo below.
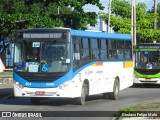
{"type": "Point", "coordinates": [50, 84]}
{"type": "Point", "coordinates": [28, 83]}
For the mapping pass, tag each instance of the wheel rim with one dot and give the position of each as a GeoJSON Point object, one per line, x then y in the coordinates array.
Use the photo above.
{"type": "Point", "coordinates": [83, 96]}
{"type": "Point", "coordinates": [116, 90]}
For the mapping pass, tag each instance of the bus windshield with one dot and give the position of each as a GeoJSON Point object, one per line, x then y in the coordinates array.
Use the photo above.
{"type": "Point", "coordinates": [42, 56]}
{"type": "Point", "coordinates": [147, 59]}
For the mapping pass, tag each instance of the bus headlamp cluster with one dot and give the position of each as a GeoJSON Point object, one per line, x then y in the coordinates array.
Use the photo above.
{"type": "Point", "coordinates": [65, 84]}
{"type": "Point", "coordinates": [18, 84]}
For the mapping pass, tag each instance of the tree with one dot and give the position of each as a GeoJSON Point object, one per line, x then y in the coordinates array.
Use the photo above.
{"type": "Point", "coordinates": [158, 14]}
{"type": "Point", "coordinates": [18, 14]}
{"type": "Point", "coordinates": [121, 20]}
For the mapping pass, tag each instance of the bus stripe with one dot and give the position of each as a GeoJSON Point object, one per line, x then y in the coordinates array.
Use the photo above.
{"type": "Point", "coordinates": [128, 64]}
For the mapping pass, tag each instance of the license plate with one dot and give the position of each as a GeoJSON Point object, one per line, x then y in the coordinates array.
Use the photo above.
{"type": "Point", "coordinates": [148, 79]}
{"type": "Point", "coordinates": [40, 93]}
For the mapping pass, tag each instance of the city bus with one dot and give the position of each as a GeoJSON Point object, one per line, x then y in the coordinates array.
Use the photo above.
{"type": "Point", "coordinates": [147, 63]}
{"type": "Point", "coordinates": [67, 63]}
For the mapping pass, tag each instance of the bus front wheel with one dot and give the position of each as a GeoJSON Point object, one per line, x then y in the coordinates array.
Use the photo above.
{"type": "Point", "coordinates": [114, 95]}
{"type": "Point", "coordinates": [82, 99]}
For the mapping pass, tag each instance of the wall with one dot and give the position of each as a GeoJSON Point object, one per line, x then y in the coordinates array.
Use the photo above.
{"type": "Point", "coordinates": [6, 81]}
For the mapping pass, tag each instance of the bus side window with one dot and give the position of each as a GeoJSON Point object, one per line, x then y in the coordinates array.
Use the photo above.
{"type": "Point", "coordinates": [85, 48]}
{"type": "Point", "coordinates": [120, 51]}
{"type": "Point", "coordinates": [127, 51]}
{"type": "Point", "coordinates": [103, 49]}
{"type": "Point", "coordinates": [94, 49]}
{"type": "Point", "coordinates": [112, 50]}
{"type": "Point", "coordinates": [76, 52]}
{"type": "Point", "coordinates": [112, 54]}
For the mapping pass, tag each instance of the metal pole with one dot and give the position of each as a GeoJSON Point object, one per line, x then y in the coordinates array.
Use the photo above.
{"type": "Point", "coordinates": [58, 10]}
{"type": "Point", "coordinates": [155, 12]}
{"type": "Point", "coordinates": [133, 21]}
{"type": "Point", "coordinates": [109, 6]}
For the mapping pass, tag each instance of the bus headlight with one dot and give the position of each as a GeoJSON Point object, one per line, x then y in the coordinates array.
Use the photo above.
{"type": "Point", "coordinates": [18, 84]}
{"type": "Point", "coordinates": [135, 76]}
{"type": "Point", "coordinates": [65, 84]}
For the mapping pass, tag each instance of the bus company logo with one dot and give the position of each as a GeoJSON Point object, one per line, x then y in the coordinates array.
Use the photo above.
{"type": "Point", "coordinates": [100, 72]}
{"type": "Point", "coordinates": [39, 84]}
{"type": "Point", "coordinates": [6, 114]}
{"type": "Point", "coordinates": [28, 83]}
{"type": "Point", "coordinates": [49, 84]}
{"type": "Point", "coordinates": [88, 72]}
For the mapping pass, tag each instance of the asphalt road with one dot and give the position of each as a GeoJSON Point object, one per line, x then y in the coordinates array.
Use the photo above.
{"type": "Point", "coordinates": [128, 97]}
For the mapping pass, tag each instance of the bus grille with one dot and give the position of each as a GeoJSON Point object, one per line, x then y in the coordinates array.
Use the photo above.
{"type": "Point", "coordinates": [147, 71]}
{"type": "Point", "coordinates": [40, 77]}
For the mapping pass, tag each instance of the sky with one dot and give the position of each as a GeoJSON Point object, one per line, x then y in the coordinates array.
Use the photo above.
{"type": "Point", "coordinates": [92, 8]}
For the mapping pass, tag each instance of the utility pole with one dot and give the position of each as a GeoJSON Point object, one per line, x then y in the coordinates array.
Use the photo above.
{"type": "Point", "coordinates": [109, 14]}
{"type": "Point", "coordinates": [155, 13]}
{"type": "Point", "coordinates": [58, 10]}
{"type": "Point", "coordinates": [133, 21]}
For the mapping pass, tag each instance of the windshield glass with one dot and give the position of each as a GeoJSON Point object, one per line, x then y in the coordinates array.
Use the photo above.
{"type": "Point", "coordinates": [42, 56]}
{"type": "Point", "coordinates": [147, 60]}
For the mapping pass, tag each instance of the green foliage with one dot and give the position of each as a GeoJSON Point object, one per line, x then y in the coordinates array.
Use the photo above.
{"type": "Point", "coordinates": [18, 14]}
{"type": "Point", "coordinates": [121, 20]}
{"type": "Point", "coordinates": [121, 8]}
{"type": "Point", "coordinates": [141, 11]}
{"type": "Point", "coordinates": [157, 16]}
{"type": "Point", "coordinates": [148, 35]}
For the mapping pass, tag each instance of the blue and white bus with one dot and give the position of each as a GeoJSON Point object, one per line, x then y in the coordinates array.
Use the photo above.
{"type": "Point", "coordinates": [61, 62]}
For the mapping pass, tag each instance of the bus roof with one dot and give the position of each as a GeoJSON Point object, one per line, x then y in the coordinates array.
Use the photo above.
{"type": "Point", "coordinates": [83, 33]}
{"type": "Point", "coordinates": [101, 35]}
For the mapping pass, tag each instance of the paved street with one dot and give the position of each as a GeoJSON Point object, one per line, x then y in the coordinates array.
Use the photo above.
{"type": "Point", "coordinates": [129, 96]}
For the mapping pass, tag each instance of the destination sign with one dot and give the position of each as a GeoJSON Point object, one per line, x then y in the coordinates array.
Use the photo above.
{"type": "Point", "coordinates": [156, 46]}
{"type": "Point", "coordinates": [44, 35]}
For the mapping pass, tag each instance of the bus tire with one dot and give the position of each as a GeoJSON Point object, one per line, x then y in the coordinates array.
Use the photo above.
{"type": "Point", "coordinates": [114, 95]}
{"type": "Point", "coordinates": [35, 100]}
{"type": "Point", "coordinates": [82, 99]}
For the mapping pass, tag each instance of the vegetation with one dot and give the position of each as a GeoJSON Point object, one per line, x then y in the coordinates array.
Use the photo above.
{"type": "Point", "coordinates": [17, 14]}
{"type": "Point", "coordinates": [140, 107]}
{"type": "Point", "coordinates": [6, 73]}
{"type": "Point", "coordinates": [121, 20]}
{"type": "Point", "coordinates": [148, 106]}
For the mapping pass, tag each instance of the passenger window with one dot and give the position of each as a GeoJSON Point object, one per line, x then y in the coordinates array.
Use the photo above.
{"type": "Point", "coordinates": [128, 50]}
{"type": "Point", "coordinates": [113, 44]}
{"type": "Point", "coordinates": [85, 49]}
{"type": "Point", "coordinates": [104, 46]}
{"type": "Point", "coordinates": [94, 49]}
{"type": "Point", "coordinates": [112, 53]}
{"type": "Point", "coordinates": [120, 50]}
